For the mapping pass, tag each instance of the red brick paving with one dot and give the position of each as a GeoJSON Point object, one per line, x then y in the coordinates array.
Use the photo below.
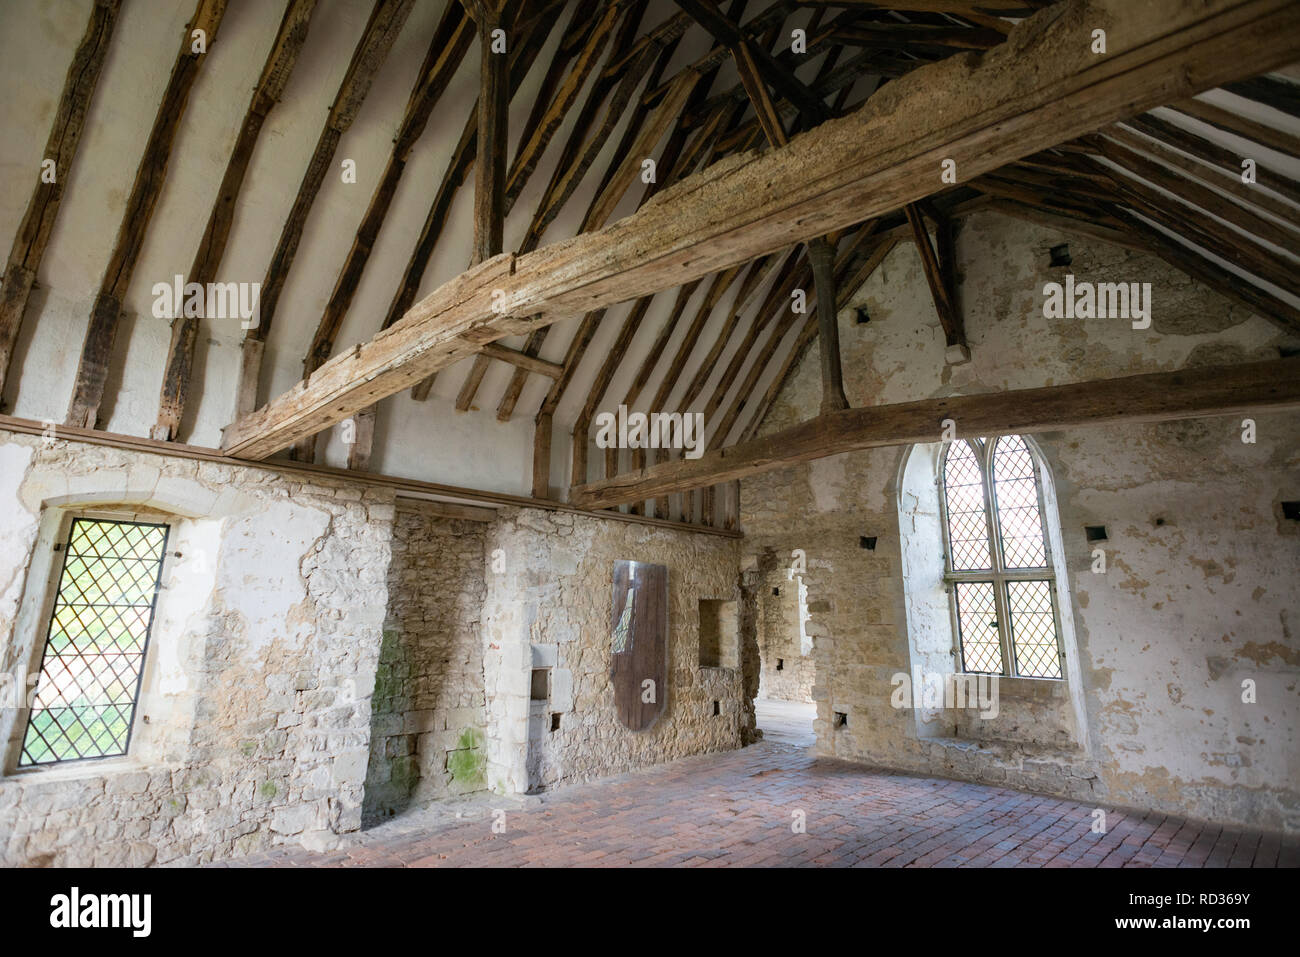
{"type": "Point", "coordinates": [736, 809]}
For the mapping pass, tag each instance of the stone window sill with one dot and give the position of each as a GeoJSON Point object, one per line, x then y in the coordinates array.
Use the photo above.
{"type": "Point", "coordinates": [1018, 687]}
{"type": "Point", "coordinates": [80, 771]}
{"type": "Point", "coordinates": [1007, 749]}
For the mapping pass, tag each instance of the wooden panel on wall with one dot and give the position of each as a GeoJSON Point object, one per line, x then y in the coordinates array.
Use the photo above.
{"type": "Point", "coordinates": [639, 642]}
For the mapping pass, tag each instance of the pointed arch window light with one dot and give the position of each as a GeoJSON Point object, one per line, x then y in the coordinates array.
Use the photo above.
{"type": "Point", "coordinates": [996, 560]}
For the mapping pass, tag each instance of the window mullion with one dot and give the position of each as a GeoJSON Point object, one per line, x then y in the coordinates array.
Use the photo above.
{"type": "Point", "coordinates": [1039, 491]}
{"type": "Point", "coordinates": [1048, 573]}
{"type": "Point", "coordinates": [995, 556]}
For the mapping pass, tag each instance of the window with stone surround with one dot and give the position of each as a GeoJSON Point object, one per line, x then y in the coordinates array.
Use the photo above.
{"type": "Point", "coordinates": [96, 639]}
{"type": "Point", "coordinates": [997, 563]}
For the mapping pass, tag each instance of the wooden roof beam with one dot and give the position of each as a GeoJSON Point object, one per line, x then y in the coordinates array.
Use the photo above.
{"type": "Point", "coordinates": [60, 149]}
{"type": "Point", "coordinates": [631, 323]}
{"type": "Point", "coordinates": [1212, 154]}
{"type": "Point", "coordinates": [489, 166]}
{"type": "Point", "coordinates": [674, 162]}
{"type": "Point", "coordinates": [521, 56]}
{"type": "Point", "coordinates": [707, 14]}
{"type": "Point", "coordinates": [786, 318]}
{"type": "Point", "coordinates": [1225, 179]}
{"type": "Point", "coordinates": [451, 40]}
{"type": "Point", "coordinates": [821, 253]}
{"type": "Point", "coordinates": [1226, 283]}
{"type": "Point", "coordinates": [940, 275]}
{"type": "Point", "coordinates": [1004, 8]}
{"type": "Point", "coordinates": [493, 134]}
{"type": "Point", "coordinates": [1266, 90]}
{"type": "Point", "coordinates": [808, 333]}
{"type": "Point", "coordinates": [1267, 136]}
{"type": "Point", "coordinates": [178, 370]}
{"type": "Point", "coordinates": [550, 112]}
{"type": "Point", "coordinates": [571, 168]}
{"type": "Point", "coordinates": [872, 244]}
{"type": "Point", "coordinates": [386, 21]}
{"type": "Point", "coordinates": [978, 110]}
{"type": "Point", "coordinates": [1194, 226]}
{"type": "Point", "coordinates": [1153, 397]}
{"type": "Point", "coordinates": [891, 36]}
{"type": "Point", "coordinates": [1210, 200]}
{"type": "Point", "coordinates": [106, 313]}
{"type": "Point", "coordinates": [638, 141]}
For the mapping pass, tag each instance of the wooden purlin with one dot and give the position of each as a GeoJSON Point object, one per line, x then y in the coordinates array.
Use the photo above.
{"type": "Point", "coordinates": [877, 159]}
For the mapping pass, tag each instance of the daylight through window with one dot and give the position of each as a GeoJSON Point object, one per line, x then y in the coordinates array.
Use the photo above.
{"type": "Point", "coordinates": [89, 678]}
{"type": "Point", "coordinates": [997, 561]}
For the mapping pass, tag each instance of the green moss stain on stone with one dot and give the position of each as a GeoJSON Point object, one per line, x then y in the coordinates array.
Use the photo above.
{"type": "Point", "coordinates": [268, 789]}
{"type": "Point", "coordinates": [403, 774]}
{"type": "Point", "coordinates": [468, 763]}
{"type": "Point", "coordinates": [388, 679]}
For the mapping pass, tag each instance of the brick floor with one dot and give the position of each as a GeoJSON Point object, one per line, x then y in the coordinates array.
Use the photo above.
{"type": "Point", "coordinates": [738, 808]}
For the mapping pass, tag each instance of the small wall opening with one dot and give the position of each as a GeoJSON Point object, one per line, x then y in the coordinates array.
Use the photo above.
{"type": "Point", "coordinates": [784, 645]}
{"type": "Point", "coordinates": [540, 687]}
{"type": "Point", "coordinates": [719, 638]}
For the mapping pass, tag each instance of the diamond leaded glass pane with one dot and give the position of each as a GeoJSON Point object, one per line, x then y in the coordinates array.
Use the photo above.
{"type": "Point", "coordinates": [977, 623]}
{"type": "Point", "coordinates": [1033, 629]}
{"type": "Point", "coordinates": [94, 652]}
{"type": "Point", "coordinates": [968, 529]}
{"type": "Point", "coordinates": [1015, 489]}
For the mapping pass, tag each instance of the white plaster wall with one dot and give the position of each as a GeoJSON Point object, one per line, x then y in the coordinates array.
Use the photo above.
{"type": "Point", "coordinates": [424, 440]}
{"type": "Point", "coordinates": [261, 664]}
{"type": "Point", "coordinates": [1197, 596]}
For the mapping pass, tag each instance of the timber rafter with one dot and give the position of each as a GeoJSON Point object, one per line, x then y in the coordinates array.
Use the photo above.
{"type": "Point", "coordinates": [799, 175]}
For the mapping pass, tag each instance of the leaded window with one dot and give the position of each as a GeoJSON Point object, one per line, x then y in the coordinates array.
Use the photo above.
{"type": "Point", "coordinates": [89, 679]}
{"type": "Point", "coordinates": [997, 562]}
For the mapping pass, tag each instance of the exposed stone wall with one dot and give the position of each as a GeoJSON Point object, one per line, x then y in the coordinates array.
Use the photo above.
{"type": "Point", "coordinates": [318, 656]}
{"type": "Point", "coordinates": [1198, 595]}
{"type": "Point", "coordinates": [429, 718]}
{"type": "Point", "coordinates": [257, 684]}
{"type": "Point", "coordinates": [550, 608]}
{"type": "Point", "coordinates": [787, 665]}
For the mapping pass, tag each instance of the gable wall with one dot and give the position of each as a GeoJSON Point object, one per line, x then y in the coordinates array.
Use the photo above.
{"type": "Point", "coordinates": [1199, 592]}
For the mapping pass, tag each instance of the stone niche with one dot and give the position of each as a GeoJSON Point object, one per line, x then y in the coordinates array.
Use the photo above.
{"type": "Point", "coordinates": [428, 719]}
{"type": "Point", "coordinates": [719, 633]}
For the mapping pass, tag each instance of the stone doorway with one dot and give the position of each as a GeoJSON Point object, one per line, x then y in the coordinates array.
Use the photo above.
{"type": "Point", "coordinates": [784, 707]}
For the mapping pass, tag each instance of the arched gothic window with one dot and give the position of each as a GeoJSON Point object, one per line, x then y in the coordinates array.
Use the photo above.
{"type": "Point", "coordinates": [996, 560]}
